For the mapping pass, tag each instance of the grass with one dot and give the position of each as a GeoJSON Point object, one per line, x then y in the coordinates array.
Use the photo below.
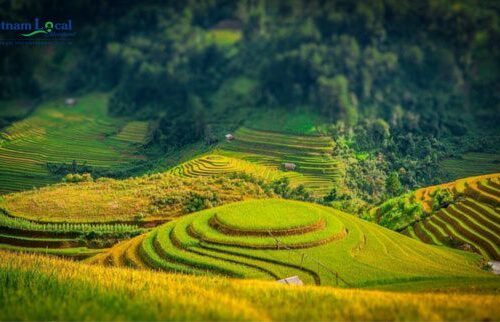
{"type": "Point", "coordinates": [142, 199]}
{"type": "Point", "coordinates": [57, 133]}
{"type": "Point", "coordinates": [316, 169]}
{"type": "Point", "coordinates": [99, 214]}
{"type": "Point", "coordinates": [39, 288]}
{"type": "Point", "coordinates": [472, 164]}
{"type": "Point", "coordinates": [345, 250]}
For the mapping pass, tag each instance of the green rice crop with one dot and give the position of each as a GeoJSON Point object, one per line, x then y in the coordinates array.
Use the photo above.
{"type": "Point", "coordinates": [56, 133]}
{"type": "Point", "coordinates": [364, 255]}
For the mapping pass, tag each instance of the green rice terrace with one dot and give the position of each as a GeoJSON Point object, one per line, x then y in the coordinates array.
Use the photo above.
{"type": "Point", "coordinates": [310, 156]}
{"type": "Point", "coordinates": [273, 239]}
{"type": "Point", "coordinates": [472, 164]}
{"type": "Point", "coordinates": [470, 221]}
{"type": "Point", "coordinates": [58, 133]}
{"type": "Point", "coordinates": [75, 240]}
{"type": "Point", "coordinates": [215, 164]}
{"type": "Point", "coordinates": [265, 155]}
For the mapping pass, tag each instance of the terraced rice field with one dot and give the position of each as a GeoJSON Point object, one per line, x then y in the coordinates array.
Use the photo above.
{"type": "Point", "coordinates": [472, 164]}
{"type": "Point", "coordinates": [316, 169]}
{"type": "Point", "coordinates": [213, 165]}
{"type": "Point", "coordinates": [459, 187]}
{"type": "Point", "coordinates": [35, 287]}
{"type": "Point", "coordinates": [472, 221]}
{"type": "Point", "coordinates": [134, 132]}
{"type": "Point", "coordinates": [57, 133]}
{"type": "Point", "coordinates": [76, 240]}
{"type": "Point", "coordinates": [273, 239]}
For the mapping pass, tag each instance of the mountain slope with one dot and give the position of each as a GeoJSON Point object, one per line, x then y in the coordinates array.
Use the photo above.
{"type": "Point", "coordinates": [316, 169]}
{"type": "Point", "coordinates": [60, 134]}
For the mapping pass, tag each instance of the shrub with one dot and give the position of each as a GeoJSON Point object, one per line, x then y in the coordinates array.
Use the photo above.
{"type": "Point", "coordinates": [398, 212]}
{"type": "Point", "coordinates": [86, 177]}
{"type": "Point", "coordinates": [196, 201]}
{"type": "Point", "coordinates": [442, 198]}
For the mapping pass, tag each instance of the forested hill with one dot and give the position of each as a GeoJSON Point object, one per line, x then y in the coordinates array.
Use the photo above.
{"type": "Point", "coordinates": [402, 60]}
{"type": "Point", "coordinates": [430, 69]}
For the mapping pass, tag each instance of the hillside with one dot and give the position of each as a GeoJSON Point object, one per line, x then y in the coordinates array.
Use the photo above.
{"type": "Point", "coordinates": [316, 169]}
{"type": "Point", "coordinates": [273, 239]}
{"type": "Point", "coordinates": [147, 198]}
{"type": "Point", "coordinates": [263, 154]}
{"type": "Point", "coordinates": [39, 288]}
{"type": "Point", "coordinates": [250, 160]}
{"type": "Point", "coordinates": [462, 214]}
{"type": "Point", "coordinates": [59, 134]}
{"type": "Point", "coordinates": [215, 165]}
{"type": "Point", "coordinates": [472, 164]}
{"type": "Point", "coordinates": [80, 219]}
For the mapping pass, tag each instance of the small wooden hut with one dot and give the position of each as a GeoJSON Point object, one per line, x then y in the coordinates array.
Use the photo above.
{"type": "Point", "coordinates": [293, 280]}
{"type": "Point", "coordinates": [70, 101]}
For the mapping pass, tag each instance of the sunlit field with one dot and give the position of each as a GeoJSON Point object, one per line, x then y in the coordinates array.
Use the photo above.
{"type": "Point", "coordinates": [39, 288]}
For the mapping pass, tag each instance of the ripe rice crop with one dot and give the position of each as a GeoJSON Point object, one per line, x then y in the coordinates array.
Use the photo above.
{"type": "Point", "coordinates": [40, 288]}
{"type": "Point", "coordinates": [214, 165]}
{"type": "Point", "coordinates": [471, 222]}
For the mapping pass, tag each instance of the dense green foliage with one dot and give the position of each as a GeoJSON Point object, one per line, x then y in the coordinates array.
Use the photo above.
{"type": "Point", "coordinates": [408, 62]}
{"type": "Point", "coordinates": [407, 83]}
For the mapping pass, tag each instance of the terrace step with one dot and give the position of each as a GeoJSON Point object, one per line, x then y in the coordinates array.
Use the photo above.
{"type": "Point", "coordinates": [40, 243]}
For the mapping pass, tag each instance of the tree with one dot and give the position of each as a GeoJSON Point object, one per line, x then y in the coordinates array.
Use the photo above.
{"type": "Point", "coordinates": [442, 198]}
{"type": "Point", "coordinates": [335, 100]}
{"type": "Point", "coordinates": [393, 184]}
{"type": "Point", "coordinates": [380, 131]}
